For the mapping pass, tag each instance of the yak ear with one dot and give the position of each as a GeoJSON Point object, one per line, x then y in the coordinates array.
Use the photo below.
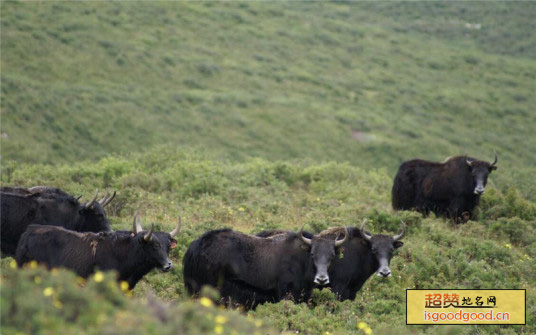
{"type": "Point", "coordinates": [398, 244]}
{"type": "Point", "coordinates": [492, 168]}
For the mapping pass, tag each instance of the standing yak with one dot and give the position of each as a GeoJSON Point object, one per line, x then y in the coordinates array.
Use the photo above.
{"type": "Point", "coordinates": [131, 253]}
{"type": "Point", "coordinates": [47, 206]}
{"type": "Point", "coordinates": [360, 255]}
{"type": "Point", "coordinates": [450, 189]}
{"type": "Point", "coordinates": [250, 270]}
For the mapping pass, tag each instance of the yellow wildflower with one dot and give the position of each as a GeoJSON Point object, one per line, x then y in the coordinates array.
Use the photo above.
{"type": "Point", "coordinates": [99, 276]}
{"type": "Point", "coordinates": [47, 292]}
{"type": "Point", "coordinates": [218, 329]}
{"type": "Point", "coordinates": [206, 302]}
{"type": "Point", "coordinates": [221, 319]}
{"type": "Point", "coordinates": [258, 323]}
{"type": "Point", "coordinates": [13, 264]}
{"type": "Point", "coordinates": [37, 280]}
{"type": "Point", "coordinates": [124, 286]}
{"type": "Point", "coordinates": [362, 325]}
{"type": "Point", "coordinates": [57, 304]}
{"type": "Point", "coordinates": [508, 245]}
{"type": "Point", "coordinates": [33, 264]}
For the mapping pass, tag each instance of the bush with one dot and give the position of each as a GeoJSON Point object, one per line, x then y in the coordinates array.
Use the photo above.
{"type": "Point", "coordinates": [37, 301]}
{"type": "Point", "coordinates": [495, 205]}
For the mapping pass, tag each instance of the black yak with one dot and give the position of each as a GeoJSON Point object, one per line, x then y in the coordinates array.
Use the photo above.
{"type": "Point", "coordinates": [131, 254]}
{"type": "Point", "coordinates": [362, 254]}
{"type": "Point", "coordinates": [250, 270]}
{"type": "Point", "coordinates": [450, 189]}
{"type": "Point", "coordinates": [47, 206]}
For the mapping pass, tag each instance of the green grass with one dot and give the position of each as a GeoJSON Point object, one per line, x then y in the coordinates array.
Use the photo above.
{"type": "Point", "coordinates": [497, 251]}
{"type": "Point", "coordinates": [270, 115]}
{"type": "Point", "coordinates": [271, 80]}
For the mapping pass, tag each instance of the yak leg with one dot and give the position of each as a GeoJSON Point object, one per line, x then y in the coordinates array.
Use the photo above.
{"type": "Point", "coordinates": [454, 212]}
{"type": "Point", "coordinates": [342, 293]}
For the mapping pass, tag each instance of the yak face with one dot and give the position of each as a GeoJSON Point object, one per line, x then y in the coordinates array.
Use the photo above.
{"type": "Point", "coordinates": [92, 216]}
{"type": "Point", "coordinates": [93, 219]}
{"type": "Point", "coordinates": [167, 243]}
{"type": "Point", "coordinates": [382, 247]}
{"type": "Point", "coordinates": [155, 250]}
{"type": "Point", "coordinates": [156, 245]}
{"type": "Point", "coordinates": [322, 253]}
{"type": "Point", "coordinates": [59, 208]}
{"type": "Point", "coordinates": [323, 250]}
{"type": "Point", "coordinates": [479, 173]}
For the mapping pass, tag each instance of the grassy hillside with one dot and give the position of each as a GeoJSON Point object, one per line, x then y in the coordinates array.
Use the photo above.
{"type": "Point", "coordinates": [498, 251]}
{"type": "Point", "coordinates": [256, 115]}
{"type": "Point", "coordinates": [368, 83]}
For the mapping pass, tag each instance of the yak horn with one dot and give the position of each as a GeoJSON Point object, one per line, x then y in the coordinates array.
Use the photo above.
{"type": "Point", "coordinates": [175, 231]}
{"type": "Point", "coordinates": [338, 243]}
{"type": "Point", "coordinates": [90, 204]}
{"type": "Point", "coordinates": [306, 240]}
{"type": "Point", "coordinates": [107, 200]}
{"type": "Point", "coordinates": [148, 237]}
{"type": "Point", "coordinates": [37, 189]}
{"type": "Point", "coordinates": [136, 223]}
{"type": "Point", "coordinates": [399, 236]}
{"type": "Point", "coordinates": [365, 235]}
{"type": "Point", "coordinates": [101, 201]}
{"type": "Point", "coordinates": [495, 161]}
{"type": "Point", "coordinates": [469, 163]}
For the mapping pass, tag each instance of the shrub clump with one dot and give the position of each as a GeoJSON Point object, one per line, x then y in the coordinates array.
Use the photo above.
{"type": "Point", "coordinates": [38, 301]}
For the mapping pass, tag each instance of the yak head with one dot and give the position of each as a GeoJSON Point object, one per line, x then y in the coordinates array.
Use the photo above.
{"type": "Point", "coordinates": [59, 208]}
{"type": "Point", "coordinates": [92, 216]}
{"type": "Point", "coordinates": [156, 245]}
{"type": "Point", "coordinates": [480, 171]}
{"type": "Point", "coordinates": [323, 250]}
{"type": "Point", "coordinates": [382, 247]}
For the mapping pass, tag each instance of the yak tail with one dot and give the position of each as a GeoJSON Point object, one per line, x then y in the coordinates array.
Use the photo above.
{"type": "Point", "coordinates": [403, 192]}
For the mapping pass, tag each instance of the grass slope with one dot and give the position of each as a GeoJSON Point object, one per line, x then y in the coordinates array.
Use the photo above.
{"type": "Point", "coordinates": [498, 251]}
{"type": "Point", "coordinates": [270, 115]}
{"type": "Point", "coordinates": [368, 83]}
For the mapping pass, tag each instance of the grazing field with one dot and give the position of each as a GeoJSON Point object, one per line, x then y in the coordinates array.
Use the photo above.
{"type": "Point", "coordinates": [496, 252]}
{"type": "Point", "coordinates": [256, 116]}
